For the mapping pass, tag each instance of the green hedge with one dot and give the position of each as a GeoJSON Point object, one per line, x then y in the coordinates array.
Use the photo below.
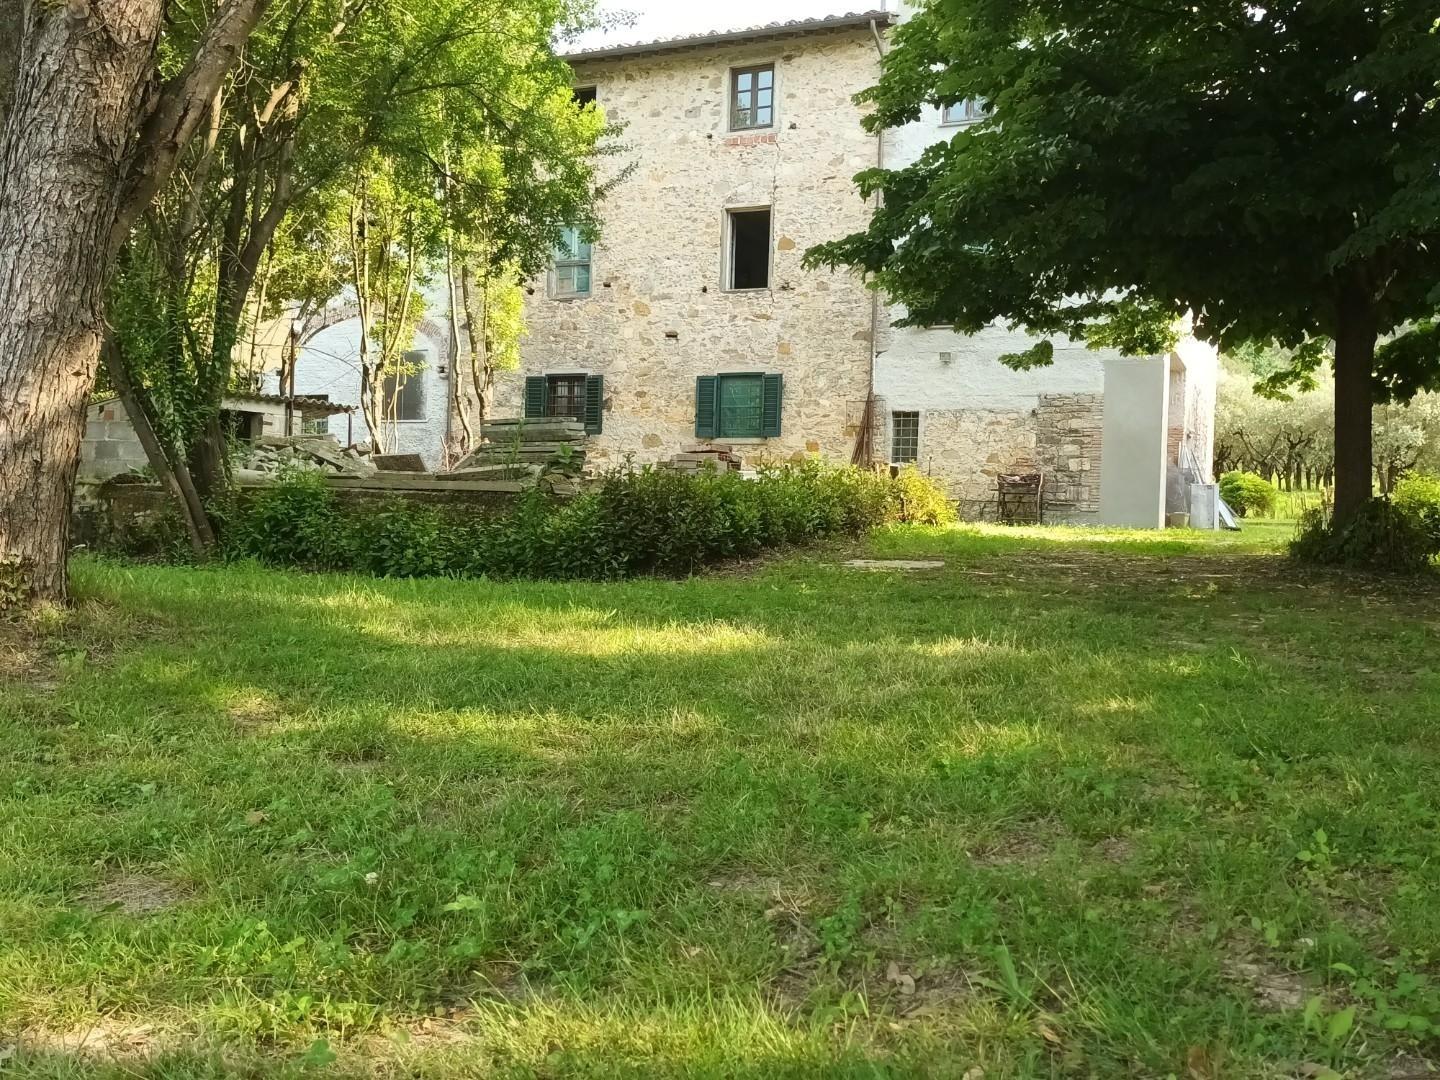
{"type": "Point", "coordinates": [632, 522]}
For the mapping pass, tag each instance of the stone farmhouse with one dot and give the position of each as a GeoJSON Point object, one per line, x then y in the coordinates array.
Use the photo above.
{"type": "Point", "coordinates": [690, 324]}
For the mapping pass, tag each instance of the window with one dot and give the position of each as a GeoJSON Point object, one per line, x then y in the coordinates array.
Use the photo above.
{"type": "Point", "coordinates": [315, 426]}
{"type": "Point", "coordinates": [584, 95]}
{"type": "Point", "coordinates": [572, 264]}
{"type": "Point", "coordinates": [904, 438]}
{"type": "Point", "coordinates": [752, 97]}
{"type": "Point", "coordinates": [741, 399]}
{"type": "Point", "coordinates": [402, 393]}
{"type": "Point", "coordinates": [969, 111]}
{"type": "Point", "coordinates": [743, 405]}
{"type": "Point", "coordinates": [565, 396]}
{"type": "Point", "coordinates": [570, 397]}
{"type": "Point", "coordinates": [749, 249]}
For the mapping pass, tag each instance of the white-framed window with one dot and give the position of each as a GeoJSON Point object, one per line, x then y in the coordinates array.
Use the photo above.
{"type": "Point", "coordinates": [747, 249]}
{"type": "Point", "coordinates": [752, 97]}
{"type": "Point", "coordinates": [904, 438]}
{"type": "Point", "coordinates": [961, 113]}
{"type": "Point", "coordinates": [573, 254]}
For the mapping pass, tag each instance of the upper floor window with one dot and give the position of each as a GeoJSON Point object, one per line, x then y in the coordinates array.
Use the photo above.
{"type": "Point", "coordinates": [584, 95]}
{"type": "Point", "coordinates": [748, 261]}
{"type": "Point", "coordinates": [752, 97]}
{"type": "Point", "coordinates": [572, 264]}
{"type": "Point", "coordinates": [969, 111]}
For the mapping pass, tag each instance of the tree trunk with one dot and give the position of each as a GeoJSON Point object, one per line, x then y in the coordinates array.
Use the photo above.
{"type": "Point", "coordinates": [71, 126]}
{"type": "Point", "coordinates": [481, 364]}
{"type": "Point", "coordinates": [175, 477]}
{"type": "Point", "coordinates": [1355, 342]}
{"type": "Point", "coordinates": [83, 150]}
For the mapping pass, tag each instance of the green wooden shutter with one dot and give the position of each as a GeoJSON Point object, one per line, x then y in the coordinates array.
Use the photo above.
{"type": "Point", "coordinates": [594, 404]}
{"type": "Point", "coordinates": [705, 387]}
{"type": "Point", "coordinates": [534, 397]}
{"type": "Point", "coordinates": [770, 407]}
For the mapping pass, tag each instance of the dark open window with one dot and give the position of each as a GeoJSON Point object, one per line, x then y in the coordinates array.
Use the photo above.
{"type": "Point", "coordinates": [402, 393]}
{"type": "Point", "coordinates": [749, 249]}
{"type": "Point", "coordinates": [752, 97]}
{"type": "Point", "coordinates": [584, 95]}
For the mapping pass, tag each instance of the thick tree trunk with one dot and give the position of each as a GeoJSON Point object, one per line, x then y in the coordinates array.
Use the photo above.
{"type": "Point", "coordinates": [83, 150]}
{"type": "Point", "coordinates": [1355, 342]}
{"type": "Point", "coordinates": [69, 131]}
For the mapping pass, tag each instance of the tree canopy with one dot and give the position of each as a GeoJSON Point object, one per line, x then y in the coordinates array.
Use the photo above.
{"type": "Point", "coordinates": [1271, 169]}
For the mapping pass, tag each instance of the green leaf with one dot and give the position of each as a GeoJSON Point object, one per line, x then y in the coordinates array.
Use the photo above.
{"type": "Point", "coordinates": [1340, 1024]}
{"type": "Point", "coordinates": [464, 903]}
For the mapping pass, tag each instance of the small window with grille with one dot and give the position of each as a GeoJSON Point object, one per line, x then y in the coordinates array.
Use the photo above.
{"type": "Point", "coordinates": [904, 438]}
{"type": "Point", "coordinates": [565, 396]}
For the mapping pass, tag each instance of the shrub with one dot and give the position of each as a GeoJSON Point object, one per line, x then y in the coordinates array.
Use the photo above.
{"type": "Point", "coordinates": [1248, 494]}
{"type": "Point", "coordinates": [1418, 498]}
{"type": "Point", "coordinates": [296, 522]}
{"type": "Point", "coordinates": [1383, 536]}
{"type": "Point", "coordinates": [919, 500]}
{"type": "Point", "coordinates": [633, 522]}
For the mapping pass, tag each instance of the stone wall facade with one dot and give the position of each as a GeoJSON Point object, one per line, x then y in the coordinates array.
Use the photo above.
{"type": "Point", "coordinates": [967, 449]}
{"type": "Point", "coordinates": [1070, 430]}
{"type": "Point", "coordinates": [658, 314]}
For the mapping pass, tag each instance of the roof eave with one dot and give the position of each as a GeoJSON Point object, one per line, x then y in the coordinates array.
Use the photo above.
{"type": "Point", "coordinates": [735, 37]}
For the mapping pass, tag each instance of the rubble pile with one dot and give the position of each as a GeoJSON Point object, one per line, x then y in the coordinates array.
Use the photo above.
{"type": "Point", "coordinates": [266, 457]}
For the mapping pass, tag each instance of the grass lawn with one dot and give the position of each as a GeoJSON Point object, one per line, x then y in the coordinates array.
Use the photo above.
{"type": "Point", "coordinates": [1077, 804]}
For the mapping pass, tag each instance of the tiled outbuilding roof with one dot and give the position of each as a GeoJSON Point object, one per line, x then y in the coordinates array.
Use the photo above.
{"type": "Point", "coordinates": [769, 31]}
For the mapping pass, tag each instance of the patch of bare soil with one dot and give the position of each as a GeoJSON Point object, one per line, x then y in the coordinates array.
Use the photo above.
{"type": "Point", "coordinates": [1407, 1066]}
{"type": "Point", "coordinates": [1031, 847]}
{"type": "Point", "coordinates": [34, 644]}
{"type": "Point", "coordinates": [101, 1037]}
{"type": "Point", "coordinates": [134, 894]}
{"type": "Point", "coordinates": [1273, 987]}
{"type": "Point", "coordinates": [254, 713]}
{"type": "Point", "coordinates": [24, 659]}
